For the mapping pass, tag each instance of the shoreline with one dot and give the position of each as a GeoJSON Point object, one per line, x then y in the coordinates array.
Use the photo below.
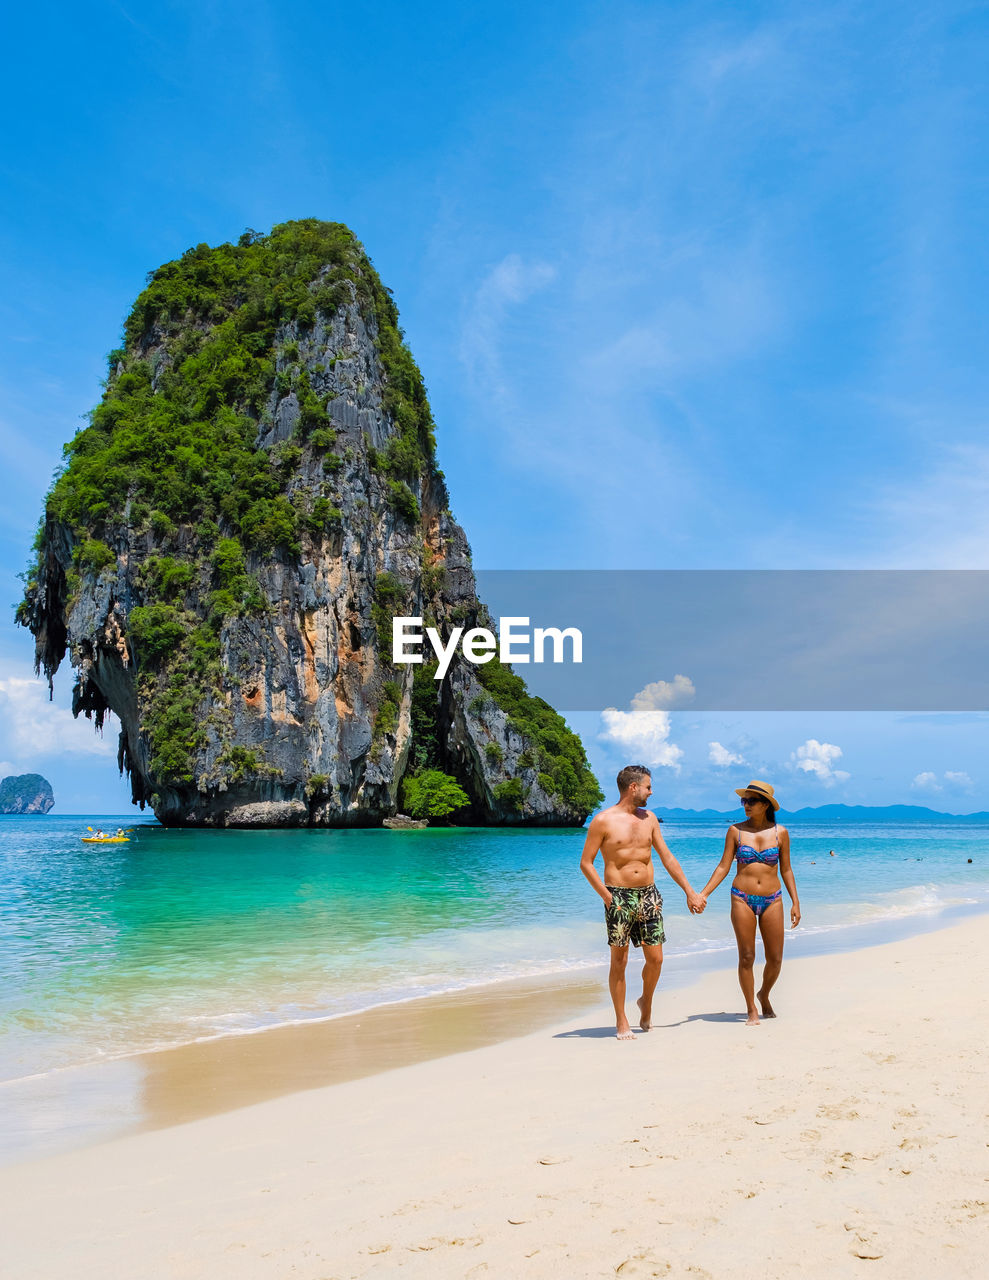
{"type": "Point", "coordinates": [146, 1091]}
{"type": "Point", "coordinates": [847, 1129]}
{"type": "Point", "coordinates": [820, 940]}
{"type": "Point", "coordinates": [76, 1107]}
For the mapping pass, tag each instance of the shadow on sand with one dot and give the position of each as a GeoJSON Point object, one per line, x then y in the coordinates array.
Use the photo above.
{"type": "Point", "coordinates": [703, 1017]}
{"type": "Point", "coordinates": [603, 1033]}
{"type": "Point", "coordinates": [589, 1033]}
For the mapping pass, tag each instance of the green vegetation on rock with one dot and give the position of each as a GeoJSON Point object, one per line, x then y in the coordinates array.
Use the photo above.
{"type": "Point", "coordinates": [158, 630]}
{"type": "Point", "coordinates": [93, 556]}
{"type": "Point", "coordinates": [564, 771]}
{"type": "Point", "coordinates": [174, 439]}
{"type": "Point", "coordinates": [510, 793]}
{"type": "Point", "coordinates": [389, 594]}
{"type": "Point", "coordinates": [26, 793]}
{"type": "Point", "coordinates": [555, 748]}
{"type": "Point", "coordinates": [403, 501]}
{"type": "Point", "coordinates": [425, 752]}
{"type": "Point", "coordinates": [386, 717]}
{"type": "Point", "coordinates": [432, 794]}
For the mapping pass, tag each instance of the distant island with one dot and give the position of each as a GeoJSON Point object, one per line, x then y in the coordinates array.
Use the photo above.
{"type": "Point", "coordinates": [26, 793]}
{"type": "Point", "coordinates": [850, 813]}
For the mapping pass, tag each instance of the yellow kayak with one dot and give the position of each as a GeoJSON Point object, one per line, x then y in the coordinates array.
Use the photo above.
{"type": "Point", "coordinates": [105, 839]}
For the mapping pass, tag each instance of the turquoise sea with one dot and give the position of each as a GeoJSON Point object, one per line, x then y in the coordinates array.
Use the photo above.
{"type": "Point", "coordinates": [107, 951]}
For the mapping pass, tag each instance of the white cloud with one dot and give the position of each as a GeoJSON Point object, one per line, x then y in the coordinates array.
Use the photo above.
{"type": "Point", "coordinates": [955, 780]}
{"type": "Point", "coordinates": [818, 758]}
{"type": "Point", "coordinates": [721, 756]}
{"type": "Point", "coordinates": [31, 726]}
{"type": "Point", "coordinates": [644, 735]}
{"type": "Point", "coordinates": [662, 695]}
{"type": "Point", "coordinates": [511, 282]}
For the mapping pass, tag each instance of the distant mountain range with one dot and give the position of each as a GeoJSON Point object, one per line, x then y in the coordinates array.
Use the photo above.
{"type": "Point", "coordinates": [850, 813]}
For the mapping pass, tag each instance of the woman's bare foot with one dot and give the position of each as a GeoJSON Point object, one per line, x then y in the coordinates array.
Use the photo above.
{"type": "Point", "coordinates": [767, 1009]}
{"type": "Point", "coordinates": [753, 1019]}
{"type": "Point", "coordinates": [625, 1033]}
{"type": "Point", "coordinates": [645, 1018]}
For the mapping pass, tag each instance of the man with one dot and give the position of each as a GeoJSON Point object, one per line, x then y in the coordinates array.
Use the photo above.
{"type": "Point", "coordinates": [625, 836]}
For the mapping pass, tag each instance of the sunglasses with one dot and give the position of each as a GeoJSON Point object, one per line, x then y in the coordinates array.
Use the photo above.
{"type": "Point", "coordinates": [751, 799]}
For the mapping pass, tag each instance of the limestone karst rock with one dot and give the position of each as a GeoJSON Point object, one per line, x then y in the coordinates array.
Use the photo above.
{"type": "Point", "coordinates": [254, 498]}
{"type": "Point", "coordinates": [26, 793]}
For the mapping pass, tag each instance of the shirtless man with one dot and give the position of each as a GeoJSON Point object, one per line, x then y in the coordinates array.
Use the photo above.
{"type": "Point", "coordinates": [625, 836]}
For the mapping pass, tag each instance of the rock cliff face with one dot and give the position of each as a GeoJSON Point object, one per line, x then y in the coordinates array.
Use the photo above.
{"type": "Point", "coordinates": [26, 793]}
{"type": "Point", "coordinates": [254, 499]}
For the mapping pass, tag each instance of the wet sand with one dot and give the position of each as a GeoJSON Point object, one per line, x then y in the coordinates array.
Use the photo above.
{"type": "Point", "coordinates": [220, 1075]}
{"type": "Point", "coordinates": [80, 1106]}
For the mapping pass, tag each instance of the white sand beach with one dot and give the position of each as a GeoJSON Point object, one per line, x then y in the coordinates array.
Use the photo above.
{"type": "Point", "coordinates": [848, 1137]}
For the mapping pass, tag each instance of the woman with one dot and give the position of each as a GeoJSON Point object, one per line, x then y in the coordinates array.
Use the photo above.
{"type": "Point", "coordinates": [761, 848]}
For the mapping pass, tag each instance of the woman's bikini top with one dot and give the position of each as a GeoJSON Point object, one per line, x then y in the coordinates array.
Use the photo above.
{"type": "Point", "coordinates": [769, 857]}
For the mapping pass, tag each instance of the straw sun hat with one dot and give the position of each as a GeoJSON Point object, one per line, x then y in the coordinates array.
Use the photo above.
{"type": "Point", "coordinates": [761, 789]}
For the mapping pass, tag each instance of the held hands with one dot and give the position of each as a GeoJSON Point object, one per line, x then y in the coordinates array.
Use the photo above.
{"type": "Point", "coordinates": [696, 902]}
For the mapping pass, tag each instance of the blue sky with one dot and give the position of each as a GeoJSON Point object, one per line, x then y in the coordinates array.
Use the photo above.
{"type": "Point", "coordinates": [693, 286]}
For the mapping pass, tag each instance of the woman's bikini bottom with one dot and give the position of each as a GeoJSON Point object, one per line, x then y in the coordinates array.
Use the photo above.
{"type": "Point", "coordinates": [757, 901]}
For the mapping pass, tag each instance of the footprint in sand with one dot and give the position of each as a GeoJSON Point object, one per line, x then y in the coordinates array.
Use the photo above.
{"type": "Point", "coordinates": [866, 1247]}
{"type": "Point", "coordinates": [864, 1244]}
{"type": "Point", "coordinates": [841, 1112]}
{"type": "Point", "coordinates": [643, 1264]}
{"type": "Point", "coordinates": [440, 1242]}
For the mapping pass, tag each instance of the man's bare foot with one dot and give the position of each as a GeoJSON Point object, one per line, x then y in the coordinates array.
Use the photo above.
{"type": "Point", "coordinates": [645, 1019]}
{"type": "Point", "coordinates": [767, 1009]}
{"type": "Point", "coordinates": [753, 1019]}
{"type": "Point", "coordinates": [627, 1034]}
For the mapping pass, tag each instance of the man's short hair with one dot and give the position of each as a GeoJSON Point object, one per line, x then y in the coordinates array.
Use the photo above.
{"type": "Point", "coordinates": [632, 773]}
